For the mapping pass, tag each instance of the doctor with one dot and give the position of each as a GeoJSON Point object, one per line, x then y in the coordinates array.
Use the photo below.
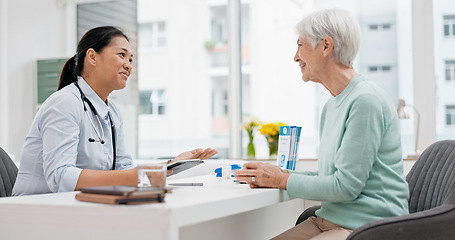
{"type": "Point", "coordinates": [76, 139]}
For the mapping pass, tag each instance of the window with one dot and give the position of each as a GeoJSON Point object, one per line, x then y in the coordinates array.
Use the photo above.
{"type": "Point", "coordinates": [380, 27]}
{"type": "Point", "coordinates": [386, 26]}
{"type": "Point", "coordinates": [217, 45]}
{"type": "Point", "coordinates": [373, 26]}
{"type": "Point", "coordinates": [373, 69]}
{"type": "Point", "coordinates": [381, 43]}
{"type": "Point", "coordinates": [274, 92]}
{"type": "Point", "coordinates": [153, 102]}
{"type": "Point", "coordinates": [450, 115]}
{"type": "Point", "coordinates": [199, 88]}
{"type": "Point", "coordinates": [379, 69]}
{"type": "Point", "coordinates": [449, 25]}
{"type": "Point", "coordinates": [152, 35]}
{"type": "Point", "coordinates": [450, 70]}
{"type": "Point", "coordinates": [176, 85]}
{"type": "Point", "coordinates": [444, 68]}
{"type": "Point", "coordinates": [220, 103]}
{"type": "Point", "coordinates": [219, 24]}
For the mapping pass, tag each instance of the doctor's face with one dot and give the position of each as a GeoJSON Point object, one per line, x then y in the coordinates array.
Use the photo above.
{"type": "Point", "coordinates": [114, 63]}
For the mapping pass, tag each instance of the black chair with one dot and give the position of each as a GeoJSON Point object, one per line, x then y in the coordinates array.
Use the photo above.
{"type": "Point", "coordinates": [8, 174]}
{"type": "Point", "coordinates": [431, 203]}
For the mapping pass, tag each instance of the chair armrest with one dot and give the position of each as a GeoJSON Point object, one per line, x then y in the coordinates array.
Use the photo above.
{"type": "Point", "coordinates": [309, 212]}
{"type": "Point", "coordinates": [436, 223]}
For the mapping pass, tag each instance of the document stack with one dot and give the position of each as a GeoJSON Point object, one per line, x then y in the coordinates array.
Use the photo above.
{"type": "Point", "coordinates": [288, 146]}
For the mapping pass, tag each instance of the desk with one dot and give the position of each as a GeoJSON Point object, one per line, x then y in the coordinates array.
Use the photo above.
{"type": "Point", "coordinates": [218, 210]}
{"type": "Point", "coordinates": [221, 209]}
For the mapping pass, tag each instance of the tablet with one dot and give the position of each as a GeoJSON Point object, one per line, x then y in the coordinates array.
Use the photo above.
{"type": "Point", "coordinates": [183, 165]}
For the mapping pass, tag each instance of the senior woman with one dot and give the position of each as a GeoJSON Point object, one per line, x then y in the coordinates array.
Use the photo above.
{"type": "Point", "coordinates": [360, 170]}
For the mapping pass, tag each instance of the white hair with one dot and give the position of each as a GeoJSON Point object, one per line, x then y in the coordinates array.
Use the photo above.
{"type": "Point", "coordinates": [336, 23]}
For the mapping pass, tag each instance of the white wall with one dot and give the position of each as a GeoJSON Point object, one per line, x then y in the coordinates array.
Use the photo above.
{"type": "Point", "coordinates": [31, 30]}
{"type": "Point", "coordinates": [34, 30]}
{"type": "Point", "coordinates": [3, 81]}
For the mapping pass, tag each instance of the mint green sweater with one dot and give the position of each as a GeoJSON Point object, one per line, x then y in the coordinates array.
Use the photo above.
{"type": "Point", "coordinates": [360, 169]}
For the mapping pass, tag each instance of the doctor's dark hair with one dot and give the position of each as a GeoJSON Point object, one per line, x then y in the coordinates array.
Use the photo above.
{"type": "Point", "coordinates": [96, 38]}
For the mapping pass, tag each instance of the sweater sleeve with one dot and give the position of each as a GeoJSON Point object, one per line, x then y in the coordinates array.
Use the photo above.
{"type": "Point", "coordinates": [308, 173]}
{"type": "Point", "coordinates": [353, 160]}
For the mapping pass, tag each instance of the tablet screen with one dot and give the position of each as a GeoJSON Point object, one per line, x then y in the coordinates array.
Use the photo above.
{"type": "Point", "coordinates": [183, 165]}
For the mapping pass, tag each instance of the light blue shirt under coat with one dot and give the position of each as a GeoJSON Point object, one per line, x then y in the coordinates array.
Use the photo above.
{"type": "Point", "coordinates": [56, 149]}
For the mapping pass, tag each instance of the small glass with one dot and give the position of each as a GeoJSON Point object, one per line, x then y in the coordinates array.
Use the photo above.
{"type": "Point", "coordinates": [152, 175]}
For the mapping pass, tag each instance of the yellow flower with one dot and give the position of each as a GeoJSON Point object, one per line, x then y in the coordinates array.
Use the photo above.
{"type": "Point", "coordinates": [271, 132]}
{"type": "Point", "coordinates": [271, 129]}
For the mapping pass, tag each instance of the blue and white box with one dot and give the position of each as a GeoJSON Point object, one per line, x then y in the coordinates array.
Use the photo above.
{"type": "Point", "coordinates": [284, 144]}
{"type": "Point", "coordinates": [288, 145]}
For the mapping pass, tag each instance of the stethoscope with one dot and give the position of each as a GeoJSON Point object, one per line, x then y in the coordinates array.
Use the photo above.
{"type": "Point", "coordinates": [100, 137]}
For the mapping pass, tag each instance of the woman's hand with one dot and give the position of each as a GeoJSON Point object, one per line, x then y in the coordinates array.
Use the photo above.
{"type": "Point", "coordinates": [258, 174]}
{"type": "Point", "coordinates": [197, 153]}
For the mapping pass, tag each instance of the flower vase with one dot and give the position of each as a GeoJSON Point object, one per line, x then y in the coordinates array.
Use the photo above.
{"type": "Point", "coordinates": [251, 150]}
{"type": "Point", "coordinates": [273, 146]}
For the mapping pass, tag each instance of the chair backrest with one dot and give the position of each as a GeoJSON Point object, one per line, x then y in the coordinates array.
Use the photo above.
{"type": "Point", "coordinates": [432, 178]}
{"type": "Point", "coordinates": [8, 174]}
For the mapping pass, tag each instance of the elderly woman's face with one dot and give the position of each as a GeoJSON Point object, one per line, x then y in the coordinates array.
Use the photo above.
{"type": "Point", "coordinates": [310, 61]}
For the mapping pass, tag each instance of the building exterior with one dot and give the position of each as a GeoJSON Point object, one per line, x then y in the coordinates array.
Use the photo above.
{"type": "Point", "coordinates": [444, 41]}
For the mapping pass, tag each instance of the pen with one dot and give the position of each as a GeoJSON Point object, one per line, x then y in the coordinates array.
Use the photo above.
{"type": "Point", "coordinates": [237, 181]}
{"type": "Point", "coordinates": [186, 184]}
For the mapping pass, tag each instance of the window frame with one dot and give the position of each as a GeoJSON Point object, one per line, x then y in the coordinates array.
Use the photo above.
{"type": "Point", "coordinates": [449, 66]}
{"type": "Point", "coordinates": [449, 20]}
{"type": "Point", "coordinates": [156, 36]}
{"type": "Point", "coordinates": [155, 101]}
{"type": "Point", "coordinates": [450, 110]}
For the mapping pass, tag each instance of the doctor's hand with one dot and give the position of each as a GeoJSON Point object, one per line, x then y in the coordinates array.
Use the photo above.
{"type": "Point", "coordinates": [197, 153]}
{"type": "Point", "coordinates": [258, 174]}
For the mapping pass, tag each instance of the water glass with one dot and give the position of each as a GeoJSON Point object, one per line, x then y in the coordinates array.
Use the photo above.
{"type": "Point", "coordinates": [151, 175]}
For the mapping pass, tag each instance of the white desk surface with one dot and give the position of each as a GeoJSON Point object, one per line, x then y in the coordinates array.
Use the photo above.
{"type": "Point", "coordinates": [60, 215]}
{"type": "Point", "coordinates": [218, 210]}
